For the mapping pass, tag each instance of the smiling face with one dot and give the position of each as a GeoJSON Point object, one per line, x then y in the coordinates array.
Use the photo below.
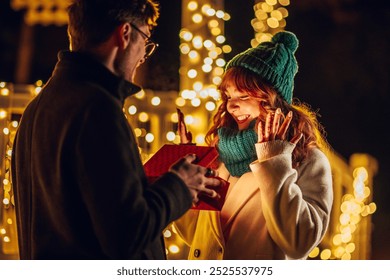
{"type": "Point", "coordinates": [242, 107]}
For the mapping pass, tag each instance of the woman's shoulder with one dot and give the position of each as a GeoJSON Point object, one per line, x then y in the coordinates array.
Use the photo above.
{"type": "Point", "coordinates": [316, 158]}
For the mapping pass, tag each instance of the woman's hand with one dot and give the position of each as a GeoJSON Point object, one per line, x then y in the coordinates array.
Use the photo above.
{"type": "Point", "coordinates": [185, 136]}
{"type": "Point", "coordinates": [273, 130]}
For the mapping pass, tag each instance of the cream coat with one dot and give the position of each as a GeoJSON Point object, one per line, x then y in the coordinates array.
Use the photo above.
{"type": "Point", "coordinates": [273, 212]}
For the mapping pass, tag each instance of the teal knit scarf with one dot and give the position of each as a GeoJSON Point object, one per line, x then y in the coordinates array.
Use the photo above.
{"type": "Point", "coordinates": [237, 148]}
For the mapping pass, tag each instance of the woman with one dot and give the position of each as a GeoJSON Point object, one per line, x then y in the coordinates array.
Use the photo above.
{"type": "Point", "coordinates": [271, 152]}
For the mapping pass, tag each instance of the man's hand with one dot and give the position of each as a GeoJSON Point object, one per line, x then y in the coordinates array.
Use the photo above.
{"type": "Point", "coordinates": [198, 179]}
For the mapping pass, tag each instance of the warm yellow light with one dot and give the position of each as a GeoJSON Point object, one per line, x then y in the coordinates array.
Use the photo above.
{"type": "Point", "coordinates": [189, 119]}
{"type": "Point", "coordinates": [205, 8]}
{"type": "Point", "coordinates": [208, 44]}
{"type": "Point", "coordinates": [227, 49]}
{"type": "Point", "coordinates": [272, 22]}
{"type": "Point", "coordinates": [213, 23]}
{"type": "Point", "coordinates": [174, 249]}
{"type": "Point", "coordinates": [2, 84]}
{"type": "Point", "coordinates": [261, 15]}
{"type": "Point", "coordinates": [314, 253]}
{"type": "Point", "coordinates": [197, 42]}
{"type": "Point", "coordinates": [184, 48]}
{"type": "Point", "coordinates": [39, 83]}
{"type": "Point", "coordinates": [174, 118]}
{"type": "Point", "coordinates": [6, 130]}
{"type": "Point", "coordinates": [192, 5]}
{"type": "Point", "coordinates": [188, 94]}
{"type": "Point", "coordinates": [199, 139]}
{"type": "Point", "coordinates": [344, 219]}
{"type": "Point", "coordinates": [132, 110]}
{"type": "Point", "coordinates": [339, 251]}
{"type": "Point", "coordinates": [216, 31]}
{"type": "Point", "coordinates": [197, 86]}
{"type": "Point", "coordinates": [143, 117]}
{"type": "Point", "coordinates": [220, 62]}
{"type": "Point", "coordinates": [192, 73]}
{"type": "Point", "coordinates": [207, 68]}
{"type": "Point", "coordinates": [197, 18]}
{"type": "Point", "coordinates": [277, 15]}
{"type": "Point", "coordinates": [6, 239]}
{"type": "Point", "coordinates": [271, 2]}
{"type": "Point", "coordinates": [137, 132]}
{"type": "Point", "coordinates": [350, 248]}
{"type": "Point", "coordinates": [180, 101]}
{"type": "Point", "coordinates": [372, 207]}
{"type": "Point", "coordinates": [9, 221]}
{"type": "Point", "coordinates": [217, 80]}
{"type": "Point", "coordinates": [210, 12]}
{"type": "Point", "coordinates": [213, 54]}
{"type": "Point", "coordinates": [141, 94]}
{"type": "Point", "coordinates": [195, 102]}
{"type": "Point", "coordinates": [3, 231]}
{"type": "Point", "coordinates": [267, 8]}
{"type": "Point", "coordinates": [156, 101]}
{"type": "Point", "coordinates": [220, 14]}
{"type": "Point", "coordinates": [5, 181]}
{"type": "Point", "coordinates": [337, 239]}
{"type": "Point", "coordinates": [5, 201]}
{"type": "Point", "coordinates": [4, 91]}
{"type": "Point", "coordinates": [346, 256]}
{"type": "Point", "coordinates": [220, 39]}
{"type": "Point", "coordinates": [167, 233]}
{"type": "Point", "coordinates": [3, 114]}
{"type": "Point", "coordinates": [9, 152]}
{"type": "Point", "coordinates": [226, 17]}
{"type": "Point", "coordinates": [170, 136]}
{"type": "Point", "coordinates": [193, 55]}
{"type": "Point", "coordinates": [325, 254]}
{"type": "Point", "coordinates": [14, 124]}
{"type": "Point", "coordinates": [149, 137]}
{"type": "Point", "coordinates": [208, 60]}
{"type": "Point", "coordinates": [284, 2]}
{"type": "Point", "coordinates": [283, 11]}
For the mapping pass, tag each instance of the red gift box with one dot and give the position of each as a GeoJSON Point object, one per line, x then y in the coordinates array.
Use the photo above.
{"type": "Point", "coordinates": [163, 159]}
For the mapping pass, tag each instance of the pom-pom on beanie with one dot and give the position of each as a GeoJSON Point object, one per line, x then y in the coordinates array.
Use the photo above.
{"type": "Point", "coordinates": [273, 61]}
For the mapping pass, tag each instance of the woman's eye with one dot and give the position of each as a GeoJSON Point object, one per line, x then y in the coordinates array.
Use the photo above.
{"type": "Point", "coordinates": [244, 97]}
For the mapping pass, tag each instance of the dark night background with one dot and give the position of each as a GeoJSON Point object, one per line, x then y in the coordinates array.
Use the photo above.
{"type": "Point", "coordinates": [344, 71]}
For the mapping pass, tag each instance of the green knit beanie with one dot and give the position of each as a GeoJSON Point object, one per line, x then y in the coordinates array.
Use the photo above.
{"type": "Point", "coordinates": [273, 61]}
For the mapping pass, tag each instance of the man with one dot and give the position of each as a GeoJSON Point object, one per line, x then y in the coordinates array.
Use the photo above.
{"type": "Point", "coordinates": [80, 187]}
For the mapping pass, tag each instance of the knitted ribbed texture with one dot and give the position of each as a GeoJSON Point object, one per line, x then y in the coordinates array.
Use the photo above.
{"type": "Point", "coordinates": [273, 61]}
{"type": "Point", "coordinates": [237, 149]}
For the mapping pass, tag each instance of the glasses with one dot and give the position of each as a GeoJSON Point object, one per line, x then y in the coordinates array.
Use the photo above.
{"type": "Point", "coordinates": [150, 45]}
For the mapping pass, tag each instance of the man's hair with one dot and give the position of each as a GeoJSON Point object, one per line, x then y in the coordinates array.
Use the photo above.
{"type": "Point", "coordinates": [91, 22]}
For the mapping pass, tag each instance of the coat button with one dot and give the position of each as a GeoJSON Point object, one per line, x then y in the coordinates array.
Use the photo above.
{"type": "Point", "coordinates": [196, 253]}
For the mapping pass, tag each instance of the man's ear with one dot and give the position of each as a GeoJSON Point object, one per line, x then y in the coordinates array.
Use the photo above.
{"type": "Point", "coordinates": [123, 35]}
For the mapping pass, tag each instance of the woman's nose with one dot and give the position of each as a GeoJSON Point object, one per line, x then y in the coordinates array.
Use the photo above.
{"type": "Point", "coordinates": [234, 103]}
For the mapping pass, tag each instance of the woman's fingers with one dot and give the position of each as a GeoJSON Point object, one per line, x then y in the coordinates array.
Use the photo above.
{"type": "Point", "coordinates": [185, 137]}
{"type": "Point", "coordinates": [296, 138]}
{"type": "Point", "coordinates": [284, 127]}
{"type": "Point", "coordinates": [260, 132]}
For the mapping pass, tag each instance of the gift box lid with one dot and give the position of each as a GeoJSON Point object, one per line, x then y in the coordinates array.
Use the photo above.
{"type": "Point", "coordinates": [163, 159]}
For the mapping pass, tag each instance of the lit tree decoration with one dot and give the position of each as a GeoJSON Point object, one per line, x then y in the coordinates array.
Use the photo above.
{"type": "Point", "coordinates": [269, 19]}
{"type": "Point", "coordinates": [43, 12]}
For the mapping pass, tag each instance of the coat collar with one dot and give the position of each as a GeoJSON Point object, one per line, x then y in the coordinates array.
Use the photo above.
{"type": "Point", "coordinates": [84, 66]}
